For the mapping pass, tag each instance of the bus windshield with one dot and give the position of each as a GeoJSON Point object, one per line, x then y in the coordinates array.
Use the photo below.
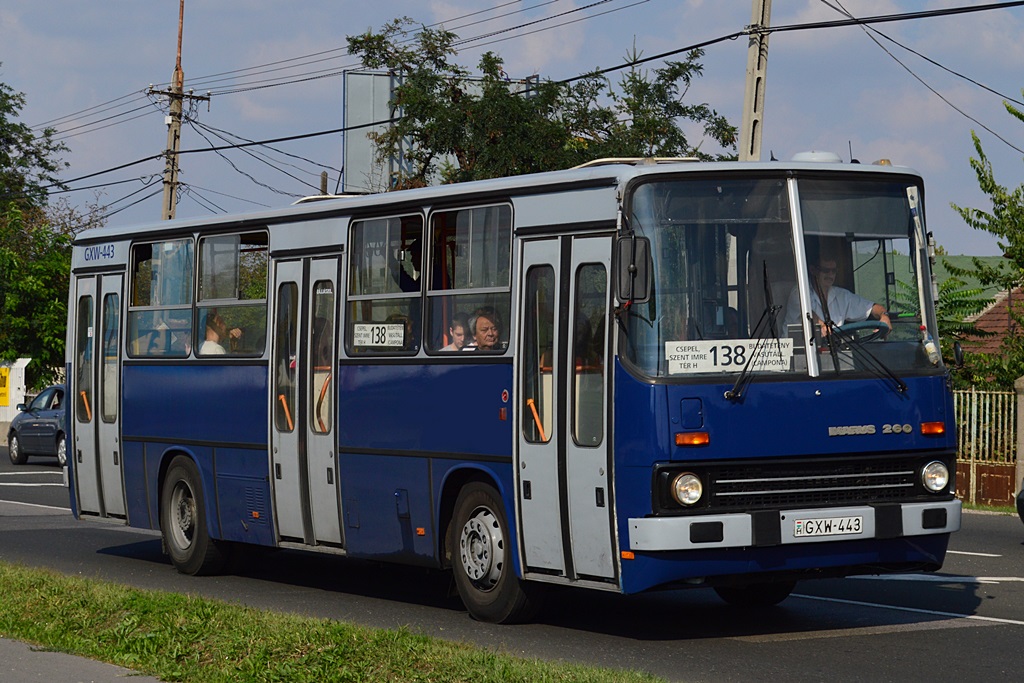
{"type": "Point", "coordinates": [739, 275]}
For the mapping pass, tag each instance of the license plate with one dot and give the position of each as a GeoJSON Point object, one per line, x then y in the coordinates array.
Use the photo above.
{"type": "Point", "coordinates": [828, 526]}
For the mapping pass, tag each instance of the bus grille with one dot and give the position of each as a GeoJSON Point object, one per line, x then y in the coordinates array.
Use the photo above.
{"type": "Point", "coordinates": [815, 483]}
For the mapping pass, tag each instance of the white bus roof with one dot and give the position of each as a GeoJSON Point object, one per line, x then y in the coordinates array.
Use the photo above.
{"type": "Point", "coordinates": [611, 173]}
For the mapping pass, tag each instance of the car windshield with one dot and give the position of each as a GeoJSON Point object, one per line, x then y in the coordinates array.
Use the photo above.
{"type": "Point", "coordinates": [736, 278]}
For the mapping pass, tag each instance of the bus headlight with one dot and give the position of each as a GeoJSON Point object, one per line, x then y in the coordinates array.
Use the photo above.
{"type": "Point", "coordinates": [935, 476]}
{"type": "Point", "coordinates": [687, 489]}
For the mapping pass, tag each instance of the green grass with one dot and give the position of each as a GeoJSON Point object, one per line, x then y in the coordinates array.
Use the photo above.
{"type": "Point", "coordinates": [186, 638]}
{"type": "Point", "coordinates": [1002, 509]}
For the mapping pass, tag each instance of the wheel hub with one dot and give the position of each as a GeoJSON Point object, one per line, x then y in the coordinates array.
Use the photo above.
{"type": "Point", "coordinates": [184, 507]}
{"type": "Point", "coordinates": [481, 548]}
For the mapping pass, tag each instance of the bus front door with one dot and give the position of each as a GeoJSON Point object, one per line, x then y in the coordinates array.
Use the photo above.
{"type": "Point", "coordinates": [307, 499]}
{"type": "Point", "coordinates": [96, 399]}
{"type": "Point", "coordinates": [564, 456]}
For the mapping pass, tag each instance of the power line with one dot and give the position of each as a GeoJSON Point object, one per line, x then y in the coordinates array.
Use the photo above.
{"type": "Point", "coordinates": [94, 126]}
{"type": "Point", "coordinates": [52, 122]}
{"type": "Point", "coordinates": [229, 196]}
{"type": "Point", "coordinates": [625, 65]}
{"type": "Point", "coordinates": [926, 85]}
{"type": "Point", "coordinates": [266, 157]}
{"type": "Point", "coordinates": [926, 58]}
{"type": "Point", "coordinates": [138, 201]}
{"type": "Point", "coordinates": [232, 164]}
{"type": "Point", "coordinates": [254, 156]}
{"type": "Point", "coordinates": [205, 81]}
{"type": "Point", "coordinates": [192, 193]}
{"type": "Point", "coordinates": [145, 180]}
{"type": "Point", "coordinates": [279, 151]}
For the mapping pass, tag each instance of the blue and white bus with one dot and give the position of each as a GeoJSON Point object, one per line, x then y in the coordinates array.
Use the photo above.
{"type": "Point", "coordinates": [616, 377]}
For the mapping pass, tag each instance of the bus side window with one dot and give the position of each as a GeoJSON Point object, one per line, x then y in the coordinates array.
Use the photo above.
{"type": "Point", "coordinates": [160, 307]}
{"type": "Point", "coordinates": [539, 337]}
{"type": "Point", "coordinates": [385, 286]}
{"type": "Point", "coordinates": [232, 296]}
{"type": "Point", "coordinates": [470, 275]}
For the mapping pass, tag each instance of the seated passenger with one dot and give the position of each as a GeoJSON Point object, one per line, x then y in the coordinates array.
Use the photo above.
{"type": "Point", "coordinates": [486, 327]}
{"type": "Point", "coordinates": [457, 333]}
{"type": "Point", "coordinates": [217, 333]}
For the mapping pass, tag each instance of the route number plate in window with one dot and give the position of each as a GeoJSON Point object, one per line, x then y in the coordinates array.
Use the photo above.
{"type": "Point", "coordinates": [828, 526]}
{"type": "Point", "coordinates": [379, 334]}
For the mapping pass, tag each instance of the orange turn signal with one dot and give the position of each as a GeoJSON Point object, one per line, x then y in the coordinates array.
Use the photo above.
{"type": "Point", "coordinates": [933, 428]}
{"type": "Point", "coordinates": [628, 555]}
{"type": "Point", "coordinates": [692, 439]}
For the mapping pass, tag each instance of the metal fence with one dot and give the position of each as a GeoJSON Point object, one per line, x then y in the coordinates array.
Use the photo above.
{"type": "Point", "coordinates": [986, 426]}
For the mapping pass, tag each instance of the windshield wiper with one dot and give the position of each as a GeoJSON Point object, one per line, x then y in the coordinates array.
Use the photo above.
{"type": "Point", "coordinates": [869, 359]}
{"type": "Point", "coordinates": [765, 326]}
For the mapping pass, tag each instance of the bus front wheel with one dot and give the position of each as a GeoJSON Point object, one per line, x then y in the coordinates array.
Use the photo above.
{"type": "Point", "coordinates": [756, 594]}
{"type": "Point", "coordinates": [183, 522]}
{"type": "Point", "coordinates": [481, 558]}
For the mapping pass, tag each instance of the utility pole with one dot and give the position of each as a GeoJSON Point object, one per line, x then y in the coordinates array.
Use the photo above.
{"type": "Point", "coordinates": [176, 96]}
{"type": "Point", "coordinates": [757, 74]}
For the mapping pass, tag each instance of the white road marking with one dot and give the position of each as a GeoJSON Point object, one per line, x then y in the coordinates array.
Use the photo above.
{"type": "Point", "coordinates": [22, 474]}
{"type": "Point", "coordinates": [947, 619]}
{"type": "Point", "coordinates": [938, 578]}
{"type": "Point", "coordinates": [35, 505]}
{"type": "Point", "coordinates": [58, 476]}
{"type": "Point", "coordinates": [8, 483]}
{"type": "Point", "coordinates": [860, 631]}
{"type": "Point", "coordinates": [964, 552]}
{"type": "Point", "coordinates": [915, 610]}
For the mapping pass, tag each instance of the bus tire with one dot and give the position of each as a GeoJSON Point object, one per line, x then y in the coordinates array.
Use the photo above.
{"type": "Point", "coordinates": [756, 594]}
{"type": "Point", "coordinates": [481, 558]}
{"type": "Point", "coordinates": [183, 522]}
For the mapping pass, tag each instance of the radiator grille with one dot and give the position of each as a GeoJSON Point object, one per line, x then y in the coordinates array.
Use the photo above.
{"type": "Point", "coordinates": [814, 484]}
{"type": "Point", "coordinates": [800, 483]}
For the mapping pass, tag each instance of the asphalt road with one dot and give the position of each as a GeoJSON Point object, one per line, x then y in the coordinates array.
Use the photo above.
{"type": "Point", "coordinates": [963, 624]}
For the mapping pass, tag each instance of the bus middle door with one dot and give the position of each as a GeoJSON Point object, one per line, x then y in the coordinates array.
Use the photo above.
{"type": "Point", "coordinates": [564, 456]}
{"type": "Point", "coordinates": [307, 500]}
{"type": "Point", "coordinates": [96, 396]}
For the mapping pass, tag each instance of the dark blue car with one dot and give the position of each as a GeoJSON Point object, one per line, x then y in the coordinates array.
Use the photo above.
{"type": "Point", "coordinates": [39, 428]}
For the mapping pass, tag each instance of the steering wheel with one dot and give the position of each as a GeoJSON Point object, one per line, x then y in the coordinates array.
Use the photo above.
{"type": "Point", "coordinates": [863, 331]}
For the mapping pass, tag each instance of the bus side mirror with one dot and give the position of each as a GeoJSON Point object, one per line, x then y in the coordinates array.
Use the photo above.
{"type": "Point", "coordinates": [633, 269]}
{"type": "Point", "coordinates": [958, 355]}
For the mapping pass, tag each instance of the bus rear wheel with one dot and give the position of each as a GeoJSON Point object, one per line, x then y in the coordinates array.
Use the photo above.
{"type": "Point", "coordinates": [481, 557]}
{"type": "Point", "coordinates": [756, 594]}
{"type": "Point", "coordinates": [183, 522]}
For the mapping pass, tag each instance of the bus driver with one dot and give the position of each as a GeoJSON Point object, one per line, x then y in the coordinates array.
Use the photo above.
{"type": "Point", "coordinates": [843, 305]}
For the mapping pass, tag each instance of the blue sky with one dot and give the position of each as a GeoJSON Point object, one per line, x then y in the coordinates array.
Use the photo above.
{"type": "Point", "coordinates": [85, 66]}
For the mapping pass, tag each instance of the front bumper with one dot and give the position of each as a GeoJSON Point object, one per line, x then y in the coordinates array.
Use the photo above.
{"type": "Point", "coordinates": [771, 528]}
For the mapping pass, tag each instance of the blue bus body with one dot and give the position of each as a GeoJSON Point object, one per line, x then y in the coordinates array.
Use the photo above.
{"type": "Point", "coordinates": [286, 379]}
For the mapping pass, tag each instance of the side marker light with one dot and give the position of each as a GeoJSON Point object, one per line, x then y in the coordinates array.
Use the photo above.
{"type": "Point", "coordinates": [692, 438]}
{"type": "Point", "coordinates": [933, 428]}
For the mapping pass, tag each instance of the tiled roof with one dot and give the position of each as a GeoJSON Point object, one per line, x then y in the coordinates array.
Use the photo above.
{"type": "Point", "coordinates": [997, 319]}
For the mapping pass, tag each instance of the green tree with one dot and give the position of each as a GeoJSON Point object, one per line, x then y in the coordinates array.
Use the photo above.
{"type": "Point", "coordinates": [1005, 220]}
{"type": "Point", "coordinates": [456, 128]}
{"type": "Point", "coordinates": [34, 244]}
{"type": "Point", "coordinates": [29, 162]}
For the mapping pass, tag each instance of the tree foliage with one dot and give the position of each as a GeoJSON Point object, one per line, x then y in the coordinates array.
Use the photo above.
{"type": "Point", "coordinates": [34, 244]}
{"type": "Point", "coordinates": [29, 162]}
{"type": "Point", "coordinates": [1005, 220]}
{"type": "Point", "coordinates": [456, 128]}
